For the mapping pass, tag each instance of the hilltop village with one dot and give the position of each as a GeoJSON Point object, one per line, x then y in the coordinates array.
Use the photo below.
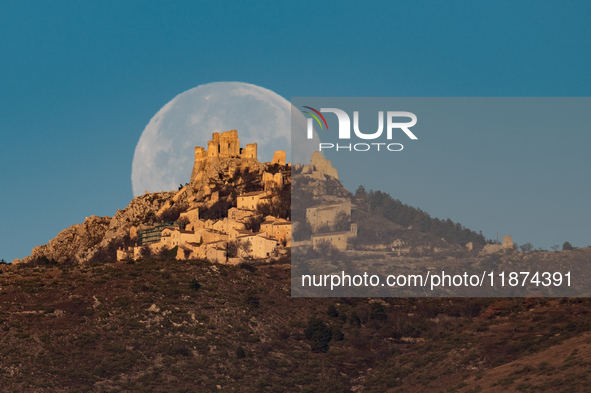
{"type": "Point", "coordinates": [232, 238]}
{"type": "Point", "coordinates": [236, 208]}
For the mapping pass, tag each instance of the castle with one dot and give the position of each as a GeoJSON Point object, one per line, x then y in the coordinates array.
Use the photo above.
{"type": "Point", "coordinates": [199, 238]}
{"type": "Point", "coordinates": [226, 145]}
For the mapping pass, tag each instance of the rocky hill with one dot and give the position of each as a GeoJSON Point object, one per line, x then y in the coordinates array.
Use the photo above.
{"type": "Point", "coordinates": [98, 237]}
{"type": "Point", "coordinates": [215, 185]}
{"type": "Point", "coordinates": [166, 325]}
{"type": "Point", "coordinates": [71, 319]}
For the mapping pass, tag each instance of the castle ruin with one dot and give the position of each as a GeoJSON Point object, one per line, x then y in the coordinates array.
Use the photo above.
{"type": "Point", "coordinates": [225, 145]}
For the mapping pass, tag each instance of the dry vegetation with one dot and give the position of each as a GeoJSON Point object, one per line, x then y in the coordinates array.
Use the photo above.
{"type": "Point", "coordinates": [162, 325]}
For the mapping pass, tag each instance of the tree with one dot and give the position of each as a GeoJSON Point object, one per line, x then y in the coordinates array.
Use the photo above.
{"type": "Point", "coordinates": [319, 333]}
{"type": "Point", "coordinates": [354, 319]}
{"type": "Point", "coordinates": [254, 223]}
{"type": "Point", "coordinates": [378, 312]}
{"type": "Point", "coordinates": [303, 231]}
{"type": "Point", "coordinates": [555, 247]}
{"type": "Point", "coordinates": [194, 284]}
{"type": "Point", "coordinates": [361, 193]}
{"type": "Point", "coordinates": [164, 253]}
{"type": "Point", "coordinates": [527, 247]}
{"type": "Point", "coordinates": [332, 311]}
{"type": "Point", "coordinates": [232, 249]}
{"type": "Point", "coordinates": [567, 246]}
{"type": "Point", "coordinates": [146, 252]}
{"type": "Point", "coordinates": [342, 222]}
{"type": "Point", "coordinates": [245, 248]}
{"type": "Point", "coordinates": [381, 232]}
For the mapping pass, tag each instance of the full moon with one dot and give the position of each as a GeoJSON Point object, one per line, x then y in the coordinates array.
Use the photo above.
{"type": "Point", "coordinates": [164, 155]}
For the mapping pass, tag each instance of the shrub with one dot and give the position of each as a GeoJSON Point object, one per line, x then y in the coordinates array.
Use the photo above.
{"type": "Point", "coordinates": [378, 312]}
{"type": "Point", "coordinates": [337, 333]}
{"type": "Point", "coordinates": [303, 231]}
{"type": "Point", "coordinates": [252, 301]}
{"type": "Point", "coordinates": [122, 302]}
{"type": "Point", "coordinates": [248, 267]}
{"type": "Point", "coordinates": [240, 354]}
{"type": "Point", "coordinates": [332, 311]}
{"type": "Point", "coordinates": [194, 284]}
{"type": "Point", "coordinates": [319, 333]}
{"type": "Point", "coordinates": [354, 319]}
{"type": "Point", "coordinates": [146, 252]}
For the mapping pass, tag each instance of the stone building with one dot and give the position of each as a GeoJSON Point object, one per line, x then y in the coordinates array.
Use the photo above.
{"type": "Point", "coordinates": [250, 200]}
{"type": "Point", "coordinates": [190, 215]}
{"type": "Point", "coordinates": [321, 215]}
{"type": "Point", "coordinates": [240, 214]}
{"type": "Point", "coordinates": [492, 248]}
{"type": "Point", "coordinates": [260, 246]}
{"type": "Point", "coordinates": [280, 229]}
{"type": "Point", "coordinates": [338, 240]}
{"type": "Point", "coordinates": [319, 167]}
{"type": "Point", "coordinates": [172, 237]}
{"type": "Point", "coordinates": [271, 181]}
{"type": "Point", "coordinates": [279, 157]}
{"type": "Point", "coordinates": [225, 145]}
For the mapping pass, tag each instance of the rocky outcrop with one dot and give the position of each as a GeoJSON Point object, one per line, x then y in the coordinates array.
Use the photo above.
{"type": "Point", "coordinates": [96, 235]}
{"type": "Point", "coordinates": [215, 173]}
{"type": "Point", "coordinates": [141, 210]}
{"type": "Point", "coordinates": [73, 244]}
{"type": "Point", "coordinates": [220, 173]}
{"type": "Point", "coordinates": [319, 167]}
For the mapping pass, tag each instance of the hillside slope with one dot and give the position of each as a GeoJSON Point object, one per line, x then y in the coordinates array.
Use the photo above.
{"type": "Point", "coordinates": [164, 325]}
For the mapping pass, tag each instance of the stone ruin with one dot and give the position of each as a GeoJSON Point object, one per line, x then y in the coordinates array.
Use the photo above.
{"type": "Point", "coordinates": [492, 248]}
{"type": "Point", "coordinates": [225, 145]}
{"type": "Point", "coordinates": [319, 166]}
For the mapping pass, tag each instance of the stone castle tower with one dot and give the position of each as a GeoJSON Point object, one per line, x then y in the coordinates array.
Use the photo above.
{"type": "Point", "coordinates": [225, 145]}
{"type": "Point", "coordinates": [221, 146]}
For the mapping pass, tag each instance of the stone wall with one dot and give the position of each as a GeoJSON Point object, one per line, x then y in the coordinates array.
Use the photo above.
{"type": "Point", "coordinates": [250, 151]}
{"type": "Point", "coordinates": [319, 166]}
{"type": "Point", "coordinates": [279, 158]}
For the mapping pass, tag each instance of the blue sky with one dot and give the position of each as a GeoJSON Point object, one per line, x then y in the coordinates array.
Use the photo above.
{"type": "Point", "coordinates": [79, 81]}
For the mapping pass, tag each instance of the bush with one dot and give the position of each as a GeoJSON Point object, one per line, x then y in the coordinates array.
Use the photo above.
{"type": "Point", "coordinates": [121, 302]}
{"type": "Point", "coordinates": [567, 246]}
{"type": "Point", "coordinates": [354, 319]}
{"type": "Point", "coordinates": [146, 252]}
{"type": "Point", "coordinates": [252, 301]}
{"type": "Point", "coordinates": [319, 333]}
{"type": "Point", "coordinates": [194, 284]}
{"type": "Point", "coordinates": [303, 231]}
{"type": "Point", "coordinates": [240, 354]}
{"type": "Point", "coordinates": [378, 312]}
{"type": "Point", "coordinates": [337, 333]}
{"type": "Point", "coordinates": [332, 311]}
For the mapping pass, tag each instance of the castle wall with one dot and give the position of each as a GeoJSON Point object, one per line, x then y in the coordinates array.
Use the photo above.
{"type": "Point", "coordinates": [250, 151]}
{"type": "Point", "coordinates": [200, 153]}
{"type": "Point", "coordinates": [229, 144]}
{"type": "Point", "coordinates": [508, 242]}
{"type": "Point", "coordinates": [279, 157]}
{"type": "Point", "coordinates": [222, 145]}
